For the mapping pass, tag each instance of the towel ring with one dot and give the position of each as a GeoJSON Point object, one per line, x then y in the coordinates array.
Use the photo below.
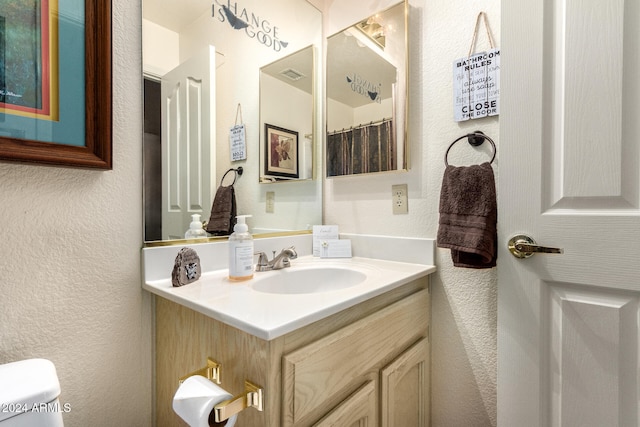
{"type": "Point", "coordinates": [475, 139]}
{"type": "Point", "coordinates": [237, 171]}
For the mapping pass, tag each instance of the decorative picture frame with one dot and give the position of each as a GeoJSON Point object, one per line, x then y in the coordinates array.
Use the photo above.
{"type": "Point", "coordinates": [65, 117]}
{"type": "Point", "coordinates": [281, 148]}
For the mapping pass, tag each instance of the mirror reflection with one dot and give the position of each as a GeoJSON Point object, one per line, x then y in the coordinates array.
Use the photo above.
{"type": "Point", "coordinates": [287, 117]}
{"type": "Point", "coordinates": [202, 62]}
{"type": "Point", "coordinates": [367, 95]}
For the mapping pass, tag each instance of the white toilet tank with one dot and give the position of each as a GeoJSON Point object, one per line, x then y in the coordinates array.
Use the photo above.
{"type": "Point", "coordinates": [29, 391]}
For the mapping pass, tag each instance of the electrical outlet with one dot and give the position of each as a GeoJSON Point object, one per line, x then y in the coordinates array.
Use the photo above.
{"type": "Point", "coordinates": [271, 201]}
{"type": "Point", "coordinates": [399, 199]}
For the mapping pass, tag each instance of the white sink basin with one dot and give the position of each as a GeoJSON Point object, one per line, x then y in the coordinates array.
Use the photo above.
{"type": "Point", "coordinates": [307, 280]}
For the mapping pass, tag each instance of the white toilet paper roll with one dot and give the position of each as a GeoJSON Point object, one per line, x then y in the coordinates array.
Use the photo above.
{"type": "Point", "coordinates": [195, 400]}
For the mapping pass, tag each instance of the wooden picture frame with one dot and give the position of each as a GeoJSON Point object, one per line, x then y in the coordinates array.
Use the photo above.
{"type": "Point", "coordinates": [91, 145]}
{"type": "Point", "coordinates": [281, 148]}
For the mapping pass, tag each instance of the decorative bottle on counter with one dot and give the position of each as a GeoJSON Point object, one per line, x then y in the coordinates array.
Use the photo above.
{"type": "Point", "coordinates": [240, 251]}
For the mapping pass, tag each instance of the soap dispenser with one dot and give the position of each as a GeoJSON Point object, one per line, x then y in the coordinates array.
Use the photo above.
{"type": "Point", "coordinates": [241, 251]}
{"type": "Point", "coordinates": [195, 230]}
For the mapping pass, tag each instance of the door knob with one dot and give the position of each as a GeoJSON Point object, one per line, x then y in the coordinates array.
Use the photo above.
{"type": "Point", "coordinates": [523, 246]}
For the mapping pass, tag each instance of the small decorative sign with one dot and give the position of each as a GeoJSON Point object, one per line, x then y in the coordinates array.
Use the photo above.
{"type": "Point", "coordinates": [336, 249]}
{"type": "Point", "coordinates": [238, 143]}
{"type": "Point", "coordinates": [186, 268]}
{"type": "Point", "coordinates": [476, 86]}
{"type": "Point", "coordinates": [322, 233]}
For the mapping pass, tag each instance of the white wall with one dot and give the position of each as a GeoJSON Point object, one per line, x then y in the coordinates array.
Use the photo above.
{"type": "Point", "coordinates": [163, 55]}
{"type": "Point", "coordinates": [70, 262]}
{"type": "Point", "coordinates": [463, 301]}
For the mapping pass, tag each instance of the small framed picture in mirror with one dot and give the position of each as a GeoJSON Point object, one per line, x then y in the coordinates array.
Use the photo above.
{"type": "Point", "coordinates": [282, 152]}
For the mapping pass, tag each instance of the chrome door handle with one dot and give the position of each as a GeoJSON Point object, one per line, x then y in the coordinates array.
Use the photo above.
{"type": "Point", "coordinates": [523, 246]}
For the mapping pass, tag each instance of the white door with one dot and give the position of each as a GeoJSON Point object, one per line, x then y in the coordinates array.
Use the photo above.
{"type": "Point", "coordinates": [188, 143]}
{"type": "Point", "coordinates": [568, 332]}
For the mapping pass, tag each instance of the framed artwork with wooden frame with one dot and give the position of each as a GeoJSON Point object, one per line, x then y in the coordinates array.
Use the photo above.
{"type": "Point", "coordinates": [281, 148]}
{"type": "Point", "coordinates": [56, 82]}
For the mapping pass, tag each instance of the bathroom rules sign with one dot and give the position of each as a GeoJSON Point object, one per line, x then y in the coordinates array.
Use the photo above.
{"type": "Point", "coordinates": [476, 86]}
{"type": "Point", "coordinates": [238, 143]}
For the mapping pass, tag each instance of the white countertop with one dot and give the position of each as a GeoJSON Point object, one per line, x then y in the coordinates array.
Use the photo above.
{"type": "Point", "coordinates": [269, 316]}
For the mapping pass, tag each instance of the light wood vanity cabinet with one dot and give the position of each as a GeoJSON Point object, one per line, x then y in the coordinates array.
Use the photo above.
{"type": "Point", "coordinates": [365, 366]}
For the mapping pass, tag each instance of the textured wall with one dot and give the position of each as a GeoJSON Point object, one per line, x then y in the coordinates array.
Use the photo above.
{"type": "Point", "coordinates": [464, 301]}
{"type": "Point", "coordinates": [69, 263]}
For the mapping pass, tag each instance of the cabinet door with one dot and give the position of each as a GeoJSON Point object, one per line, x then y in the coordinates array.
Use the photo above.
{"type": "Point", "coordinates": [358, 410]}
{"type": "Point", "coordinates": [405, 388]}
{"type": "Point", "coordinates": [338, 363]}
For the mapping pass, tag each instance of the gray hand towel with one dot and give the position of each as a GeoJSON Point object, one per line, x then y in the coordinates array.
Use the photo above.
{"type": "Point", "coordinates": [223, 212]}
{"type": "Point", "coordinates": [468, 215]}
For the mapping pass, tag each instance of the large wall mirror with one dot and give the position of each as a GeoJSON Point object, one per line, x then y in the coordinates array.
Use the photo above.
{"type": "Point", "coordinates": [205, 64]}
{"type": "Point", "coordinates": [367, 95]}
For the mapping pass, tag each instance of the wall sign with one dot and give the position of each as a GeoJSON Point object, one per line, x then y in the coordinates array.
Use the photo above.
{"type": "Point", "coordinates": [238, 143]}
{"type": "Point", "coordinates": [476, 86]}
{"type": "Point", "coordinates": [364, 87]}
{"type": "Point", "coordinates": [252, 24]}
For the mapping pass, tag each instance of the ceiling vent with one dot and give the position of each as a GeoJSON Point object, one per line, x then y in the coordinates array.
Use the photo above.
{"type": "Point", "coordinates": [292, 74]}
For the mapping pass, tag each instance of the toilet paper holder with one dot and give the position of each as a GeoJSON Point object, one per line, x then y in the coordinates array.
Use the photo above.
{"type": "Point", "coordinates": [253, 396]}
{"type": "Point", "coordinates": [211, 372]}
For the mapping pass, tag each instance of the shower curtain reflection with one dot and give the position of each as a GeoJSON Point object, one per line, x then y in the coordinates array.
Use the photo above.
{"type": "Point", "coordinates": [362, 149]}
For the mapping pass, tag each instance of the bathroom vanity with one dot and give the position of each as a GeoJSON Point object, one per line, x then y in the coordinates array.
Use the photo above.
{"type": "Point", "coordinates": [367, 361]}
{"type": "Point", "coordinates": [349, 356]}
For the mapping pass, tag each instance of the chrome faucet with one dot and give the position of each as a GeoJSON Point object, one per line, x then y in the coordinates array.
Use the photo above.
{"type": "Point", "coordinates": [278, 262]}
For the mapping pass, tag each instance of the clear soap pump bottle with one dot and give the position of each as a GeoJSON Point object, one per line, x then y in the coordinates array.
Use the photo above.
{"type": "Point", "coordinates": [195, 230]}
{"type": "Point", "coordinates": [240, 251]}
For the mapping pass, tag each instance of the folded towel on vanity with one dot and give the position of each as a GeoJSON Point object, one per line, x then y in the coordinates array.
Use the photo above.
{"type": "Point", "coordinates": [468, 215]}
{"type": "Point", "coordinates": [223, 212]}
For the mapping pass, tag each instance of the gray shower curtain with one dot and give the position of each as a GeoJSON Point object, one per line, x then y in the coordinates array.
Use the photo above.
{"type": "Point", "coordinates": [363, 149]}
